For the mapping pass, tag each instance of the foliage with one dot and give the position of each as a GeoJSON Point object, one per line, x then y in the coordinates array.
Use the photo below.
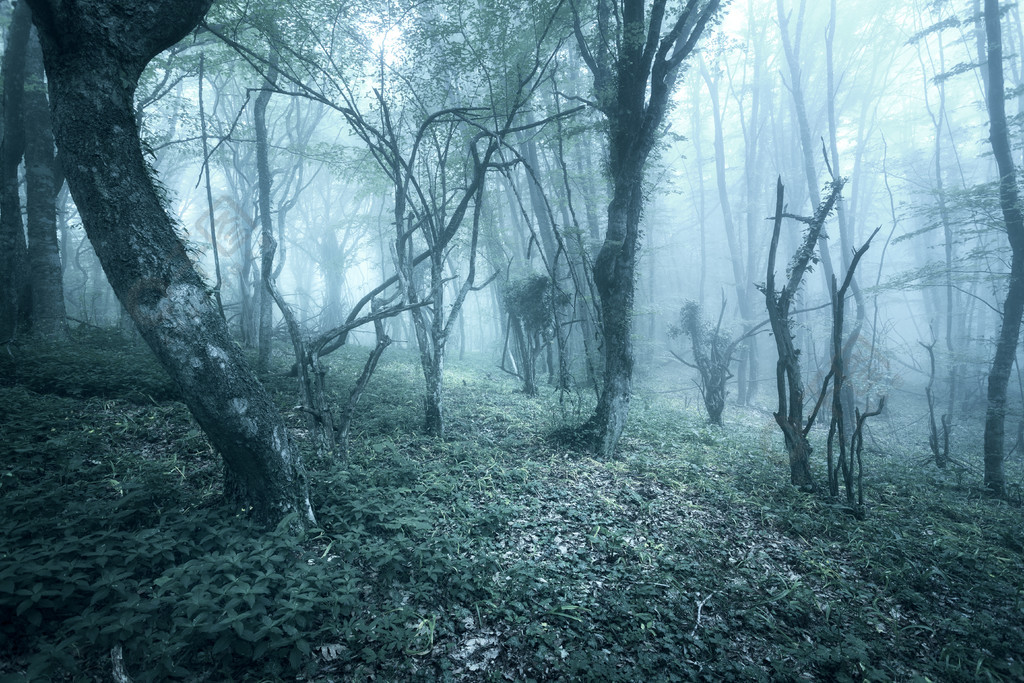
{"type": "Point", "coordinates": [495, 554]}
{"type": "Point", "coordinates": [712, 355]}
{"type": "Point", "coordinates": [531, 300]}
{"type": "Point", "coordinates": [100, 359]}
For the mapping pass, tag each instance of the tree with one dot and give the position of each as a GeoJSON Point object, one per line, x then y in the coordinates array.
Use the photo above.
{"type": "Point", "coordinates": [43, 180]}
{"type": "Point", "coordinates": [939, 448]}
{"type": "Point", "coordinates": [634, 66]}
{"type": "Point", "coordinates": [94, 52]}
{"type": "Point", "coordinates": [791, 47]}
{"type": "Point", "coordinates": [436, 145]}
{"type": "Point", "coordinates": [850, 457]}
{"type": "Point", "coordinates": [504, 55]}
{"type": "Point", "coordinates": [530, 303]}
{"type": "Point", "coordinates": [954, 338]}
{"type": "Point", "coordinates": [1013, 306]}
{"type": "Point", "coordinates": [713, 351]}
{"type": "Point", "coordinates": [741, 274]}
{"type": "Point", "coordinates": [788, 375]}
{"type": "Point", "coordinates": [12, 235]}
{"type": "Point", "coordinates": [268, 246]}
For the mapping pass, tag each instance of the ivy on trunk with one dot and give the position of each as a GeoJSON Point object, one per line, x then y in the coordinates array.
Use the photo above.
{"type": "Point", "coordinates": [789, 378]}
{"type": "Point", "coordinates": [634, 57]}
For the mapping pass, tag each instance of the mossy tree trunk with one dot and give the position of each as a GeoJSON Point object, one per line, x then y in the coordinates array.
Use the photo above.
{"type": "Point", "coordinates": [94, 52]}
{"type": "Point", "coordinates": [614, 277]}
{"type": "Point", "coordinates": [788, 377]}
{"type": "Point", "coordinates": [634, 65]}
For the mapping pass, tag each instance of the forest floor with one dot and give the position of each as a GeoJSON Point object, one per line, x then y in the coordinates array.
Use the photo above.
{"type": "Point", "coordinates": [497, 553]}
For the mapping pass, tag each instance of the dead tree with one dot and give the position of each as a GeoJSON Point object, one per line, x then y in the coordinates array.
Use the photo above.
{"type": "Point", "coordinates": [940, 451]}
{"type": "Point", "coordinates": [713, 352]}
{"type": "Point", "coordinates": [329, 435]}
{"type": "Point", "coordinates": [850, 461]}
{"type": "Point", "coordinates": [788, 377]}
{"type": "Point", "coordinates": [857, 451]}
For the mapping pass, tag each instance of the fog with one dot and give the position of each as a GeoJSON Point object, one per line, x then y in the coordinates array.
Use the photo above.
{"type": "Point", "coordinates": [463, 340]}
{"type": "Point", "coordinates": [891, 98]}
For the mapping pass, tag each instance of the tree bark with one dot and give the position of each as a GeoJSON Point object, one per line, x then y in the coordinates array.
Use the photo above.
{"type": "Point", "coordinates": [94, 52]}
{"type": "Point", "coordinates": [614, 277]}
{"type": "Point", "coordinates": [43, 180]}
{"type": "Point", "coordinates": [1013, 308]}
{"type": "Point", "coordinates": [12, 233]}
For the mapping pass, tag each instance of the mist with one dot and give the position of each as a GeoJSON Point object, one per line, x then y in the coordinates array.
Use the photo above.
{"type": "Point", "coordinates": [341, 249]}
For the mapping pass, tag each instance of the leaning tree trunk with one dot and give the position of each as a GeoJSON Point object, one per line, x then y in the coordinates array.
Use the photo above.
{"type": "Point", "coordinates": [94, 52]}
{"type": "Point", "coordinates": [1013, 308]}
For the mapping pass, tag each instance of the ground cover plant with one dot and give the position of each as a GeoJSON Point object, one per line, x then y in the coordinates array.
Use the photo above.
{"type": "Point", "coordinates": [501, 552]}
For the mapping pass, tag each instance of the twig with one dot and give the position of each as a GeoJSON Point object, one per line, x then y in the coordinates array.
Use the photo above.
{"type": "Point", "coordinates": [700, 611]}
{"type": "Point", "coordinates": [682, 360]}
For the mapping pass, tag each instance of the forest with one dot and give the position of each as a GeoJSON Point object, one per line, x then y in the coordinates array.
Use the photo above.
{"type": "Point", "coordinates": [481, 340]}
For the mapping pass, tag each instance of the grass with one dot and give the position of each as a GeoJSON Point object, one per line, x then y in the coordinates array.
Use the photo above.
{"type": "Point", "coordinates": [497, 553]}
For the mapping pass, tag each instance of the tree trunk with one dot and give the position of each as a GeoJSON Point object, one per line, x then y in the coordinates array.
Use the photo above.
{"type": "Point", "coordinates": [267, 243]}
{"type": "Point", "coordinates": [790, 416]}
{"type": "Point", "coordinates": [848, 398]}
{"type": "Point", "coordinates": [94, 52]}
{"type": "Point", "coordinates": [527, 362]}
{"type": "Point", "coordinates": [753, 163]}
{"type": "Point", "coordinates": [741, 277]}
{"type": "Point", "coordinates": [43, 180]}
{"type": "Point", "coordinates": [999, 377]}
{"type": "Point", "coordinates": [210, 205]}
{"type": "Point", "coordinates": [634, 68]}
{"type": "Point", "coordinates": [434, 404]}
{"type": "Point", "coordinates": [799, 450]}
{"type": "Point", "coordinates": [614, 276]}
{"type": "Point", "coordinates": [788, 378]}
{"type": "Point", "coordinates": [1013, 308]}
{"type": "Point", "coordinates": [12, 232]}
{"type": "Point", "coordinates": [807, 144]}
{"type": "Point", "coordinates": [558, 373]}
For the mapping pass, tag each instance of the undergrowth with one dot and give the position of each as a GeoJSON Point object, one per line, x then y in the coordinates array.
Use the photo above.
{"type": "Point", "coordinates": [498, 553]}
